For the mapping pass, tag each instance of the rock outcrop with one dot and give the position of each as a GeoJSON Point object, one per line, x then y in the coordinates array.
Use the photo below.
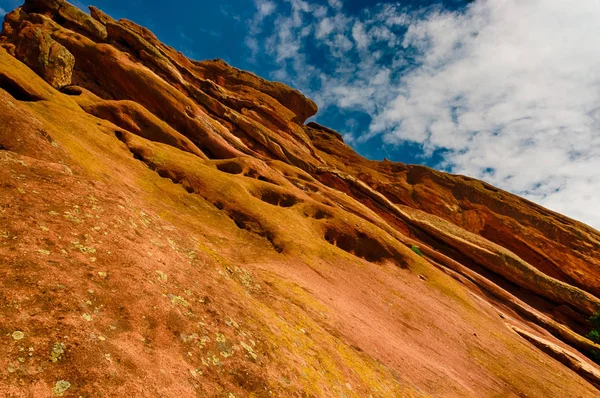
{"type": "Point", "coordinates": [48, 58]}
{"type": "Point", "coordinates": [173, 228]}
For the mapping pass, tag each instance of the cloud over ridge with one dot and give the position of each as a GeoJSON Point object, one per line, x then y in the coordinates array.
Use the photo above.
{"type": "Point", "coordinates": [509, 90]}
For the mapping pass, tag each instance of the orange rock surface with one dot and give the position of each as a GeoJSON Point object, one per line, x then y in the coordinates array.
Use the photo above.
{"type": "Point", "coordinates": [173, 228]}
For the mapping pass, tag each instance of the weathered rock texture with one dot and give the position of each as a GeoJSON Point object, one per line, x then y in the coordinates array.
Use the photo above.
{"type": "Point", "coordinates": [173, 228]}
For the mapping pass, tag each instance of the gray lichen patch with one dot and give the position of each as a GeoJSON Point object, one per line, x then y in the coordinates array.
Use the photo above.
{"type": "Point", "coordinates": [223, 345]}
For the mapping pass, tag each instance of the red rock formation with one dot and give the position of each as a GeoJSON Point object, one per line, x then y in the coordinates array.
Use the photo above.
{"type": "Point", "coordinates": [172, 228]}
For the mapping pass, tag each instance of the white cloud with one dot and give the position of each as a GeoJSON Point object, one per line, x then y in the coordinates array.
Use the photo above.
{"type": "Point", "coordinates": [514, 87]}
{"type": "Point", "coordinates": [265, 8]}
{"type": "Point", "coordinates": [2, 12]}
{"type": "Point", "coordinates": [335, 4]}
{"type": "Point", "coordinates": [510, 88]}
{"type": "Point", "coordinates": [324, 28]}
{"type": "Point", "coordinates": [360, 36]}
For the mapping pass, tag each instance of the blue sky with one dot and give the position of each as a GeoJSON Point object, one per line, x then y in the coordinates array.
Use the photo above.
{"type": "Point", "coordinates": [218, 29]}
{"type": "Point", "coordinates": [507, 91]}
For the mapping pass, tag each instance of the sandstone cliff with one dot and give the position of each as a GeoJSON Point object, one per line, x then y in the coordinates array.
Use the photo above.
{"type": "Point", "coordinates": [174, 228]}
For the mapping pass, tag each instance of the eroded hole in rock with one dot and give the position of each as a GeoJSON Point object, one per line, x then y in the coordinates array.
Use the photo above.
{"type": "Point", "coordinates": [491, 188]}
{"type": "Point", "coordinates": [320, 214]}
{"type": "Point", "coordinates": [72, 90]}
{"type": "Point", "coordinates": [304, 185]}
{"type": "Point", "coordinates": [360, 245]}
{"type": "Point", "coordinates": [245, 222]}
{"type": "Point", "coordinates": [278, 198]}
{"type": "Point", "coordinates": [16, 91]}
{"type": "Point", "coordinates": [299, 176]}
{"type": "Point", "coordinates": [136, 156]}
{"type": "Point", "coordinates": [265, 179]}
{"type": "Point", "coordinates": [47, 136]}
{"type": "Point", "coordinates": [317, 214]}
{"type": "Point", "coordinates": [255, 174]}
{"type": "Point", "coordinates": [230, 168]}
{"type": "Point", "coordinates": [175, 177]}
{"type": "Point", "coordinates": [310, 188]}
{"type": "Point", "coordinates": [235, 167]}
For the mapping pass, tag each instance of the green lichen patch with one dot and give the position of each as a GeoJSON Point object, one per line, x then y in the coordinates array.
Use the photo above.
{"type": "Point", "coordinates": [220, 338]}
{"type": "Point", "coordinates": [60, 388]}
{"type": "Point", "coordinates": [243, 276]}
{"type": "Point", "coordinates": [18, 335]}
{"type": "Point", "coordinates": [417, 250]}
{"type": "Point", "coordinates": [203, 341]}
{"type": "Point", "coordinates": [72, 217]}
{"type": "Point", "coordinates": [157, 243]}
{"type": "Point", "coordinates": [173, 244]}
{"type": "Point", "coordinates": [249, 350]}
{"type": "Point", "coordinates": [162, 277]}
{"type": "Point", "coordinates": [12, 367]}
{"type": "Point", "coordinates": [224, 347]}
{"type": "Point", "coordinates": [58, 349]}
{"type": "Point", "coordinates": [82, 248]}
{"type": "Point", "coordinates": [178, 300]}
{"type": "Point", "coordinates": [230, 322]}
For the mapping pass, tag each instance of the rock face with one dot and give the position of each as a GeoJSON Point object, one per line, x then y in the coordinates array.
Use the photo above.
{"type": "Point", "coordinates": [46, 57]}
{"type": "Point", "coordinates": [173, 228]}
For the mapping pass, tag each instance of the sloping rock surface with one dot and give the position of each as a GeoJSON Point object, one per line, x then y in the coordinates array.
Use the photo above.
{"type": "Point", "coordinates": [174, 228]}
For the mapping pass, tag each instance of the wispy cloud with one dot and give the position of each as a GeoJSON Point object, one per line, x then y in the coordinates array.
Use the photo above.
{"type": "Point", "coordinates": [509, 89]}
{"type": "Point", "coordinates": [264, 8]}
{"type": "Point", "coordinates": [226, 11]}
{"type": "Point", "coordinates": [2, 12]}
{"type": "Point", "coordinates": [80, 4]}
